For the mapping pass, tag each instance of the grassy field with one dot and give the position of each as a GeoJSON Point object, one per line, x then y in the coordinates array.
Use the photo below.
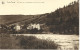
{"type": "Point", "coordinates": [24, 42]}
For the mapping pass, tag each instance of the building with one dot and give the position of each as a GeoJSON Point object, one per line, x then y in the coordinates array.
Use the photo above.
{"type": "Point", "coordinates": [33, 26]}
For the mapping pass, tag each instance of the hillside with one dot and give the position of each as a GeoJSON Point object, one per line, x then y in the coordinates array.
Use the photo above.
{"type": "Point", "coordinates": [12, 18]}
{"type": "Point", "coordinates": [65, 20]}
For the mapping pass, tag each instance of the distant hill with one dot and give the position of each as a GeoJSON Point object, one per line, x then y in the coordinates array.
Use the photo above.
{"type": "Point", "coordinates": [10, 19]}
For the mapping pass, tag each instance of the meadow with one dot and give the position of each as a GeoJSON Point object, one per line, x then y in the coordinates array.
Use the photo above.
{"type": "Point", "coordinates": [24, 42]}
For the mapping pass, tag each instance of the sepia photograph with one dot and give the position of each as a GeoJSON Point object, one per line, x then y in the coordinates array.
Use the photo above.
{"type": "Point", "coordinates": [39, 24]}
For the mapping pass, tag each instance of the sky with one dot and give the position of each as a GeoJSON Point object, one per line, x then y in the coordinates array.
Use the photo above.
{"type": "Point", "coordinates": [31, 7]}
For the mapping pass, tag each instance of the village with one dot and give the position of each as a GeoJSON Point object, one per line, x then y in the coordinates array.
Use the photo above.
{"type": "Point", "coordinates": [21, 28]}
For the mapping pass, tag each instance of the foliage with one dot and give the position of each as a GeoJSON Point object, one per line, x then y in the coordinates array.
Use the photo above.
{"type": "Point", "coordinates": [24, 42]}
{"type": "Point", "coordinates": [31, 42]}
{"type": "Point", "coordinates": [65, 19]}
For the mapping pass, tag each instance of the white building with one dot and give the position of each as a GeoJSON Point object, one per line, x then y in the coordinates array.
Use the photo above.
{"type": "Point", "coordinates": [33, 26]}
{"type": "Point", "coordinates": [17, 27]}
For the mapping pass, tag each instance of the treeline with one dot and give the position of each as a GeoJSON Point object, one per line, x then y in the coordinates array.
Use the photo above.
{"type": "Point", "coordinates": [64, 20]}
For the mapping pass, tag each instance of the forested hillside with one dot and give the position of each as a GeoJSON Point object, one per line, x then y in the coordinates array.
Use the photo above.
{"type": "Point", "coordinates": [65, 20]}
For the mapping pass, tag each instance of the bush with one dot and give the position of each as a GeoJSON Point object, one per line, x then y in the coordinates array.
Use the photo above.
{"type": "Point", "coordinates": [30, 42]}
{"type": "Point", "coordinates": [24, 42]}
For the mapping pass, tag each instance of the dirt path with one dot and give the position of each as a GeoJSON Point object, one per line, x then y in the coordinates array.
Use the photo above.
{"type": "Point", "coordinates": [64, 41]}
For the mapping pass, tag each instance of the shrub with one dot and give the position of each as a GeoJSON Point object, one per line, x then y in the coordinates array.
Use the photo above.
{"type": "Point", "coordinates": [31, 42]}
{"type": "Point", "coordinates": [24, 42]}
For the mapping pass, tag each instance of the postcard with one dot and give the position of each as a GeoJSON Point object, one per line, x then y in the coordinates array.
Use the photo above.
{"type": "Point", "coordinates": [39, 24]}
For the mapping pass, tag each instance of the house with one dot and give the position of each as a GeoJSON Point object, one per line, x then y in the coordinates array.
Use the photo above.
{"type": "Point", "coordinates": [17, 27]}
{"type": "Point", "coordinates": [33, 26]}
